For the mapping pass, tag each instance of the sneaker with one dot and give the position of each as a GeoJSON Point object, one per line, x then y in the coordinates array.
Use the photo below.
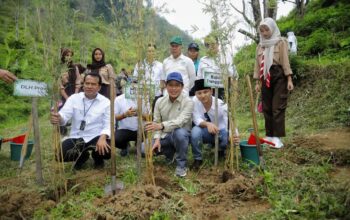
{"type": "Point", "coordinates": [269, 139]}
{"type": "Point", "coordinates": [196, 165]}
{"type": "Point", "coordinates": [181, 172]}
{"type": "Point", "coordinates": [124, 152]}
{"type": "Point", "coordinates": [277, 141]}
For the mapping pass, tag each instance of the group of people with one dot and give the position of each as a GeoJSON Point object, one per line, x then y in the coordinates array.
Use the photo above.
{"type": "Point", "coordinates": [183, 106]}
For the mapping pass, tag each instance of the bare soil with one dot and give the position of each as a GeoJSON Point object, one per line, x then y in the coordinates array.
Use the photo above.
{"type": "Point", "coordinates": [218, 194]}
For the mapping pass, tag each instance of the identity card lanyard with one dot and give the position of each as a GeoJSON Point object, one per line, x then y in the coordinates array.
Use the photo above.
{"type": "Point", "coordinates": [83, 122]}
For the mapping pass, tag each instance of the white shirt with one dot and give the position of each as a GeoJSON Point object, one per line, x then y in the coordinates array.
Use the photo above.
{"type": "Point", "coordinates": [121, 105]}
{"type": "Point", "coordinates": [183, 65]}
{"type": "Point", "coordinates": [208, 64]}
{"type": "Point", "coordinates": [97, 116]}
{"type": "Point", "coordinates": [199, 110]}
{"type": "Point", "coordinates": [152, 73]}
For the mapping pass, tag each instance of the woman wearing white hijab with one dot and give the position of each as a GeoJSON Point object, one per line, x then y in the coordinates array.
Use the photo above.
{"type": "Point", "coordinates": [273, 78]}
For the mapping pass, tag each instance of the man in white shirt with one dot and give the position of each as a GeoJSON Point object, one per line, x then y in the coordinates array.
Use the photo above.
{"type": "Point", "coordinates": [151, 70]}
{"type": "Point", "coordinates": [203, 117]}
{"type": "Point", "coordinates": [90, 114]}
{"type": "Point", "coordinates": [177, 62]}
{"type": "Point", "coordinates": [125, 111]}
{"type": "Point", "coordinates": [172, 123]}
{"type": "Point", "coordinates": [212, 62]}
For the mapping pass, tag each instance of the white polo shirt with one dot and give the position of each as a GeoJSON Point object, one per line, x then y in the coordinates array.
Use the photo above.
{"type": "Point", "coordinates": [121, 105]}
{"type": "Point", "coordinates": [95, 113]}
{"type": "Point", "coordinates": [183, 65]}
{"type": "Point", "coordinates": [153, 73]}
{"type": "Point", "coordinates": [199, 110]}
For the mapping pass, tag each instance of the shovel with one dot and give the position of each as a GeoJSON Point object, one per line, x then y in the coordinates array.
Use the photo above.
{"type": "Point", "coordinates": [114, 187]}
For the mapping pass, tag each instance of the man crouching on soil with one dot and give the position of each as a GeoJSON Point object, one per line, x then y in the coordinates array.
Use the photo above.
{"type": "Point", "coordinates": [90, 114]}
{"type": "Point", "coordinates": [172, 123]}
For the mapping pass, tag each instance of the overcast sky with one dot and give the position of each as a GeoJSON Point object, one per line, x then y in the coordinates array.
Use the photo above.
{"type": "Point", "coordinates": [189, 12]}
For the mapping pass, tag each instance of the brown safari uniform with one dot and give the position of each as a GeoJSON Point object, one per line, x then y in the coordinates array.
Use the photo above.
{"type": "Point", "coordinates": [274, 99]}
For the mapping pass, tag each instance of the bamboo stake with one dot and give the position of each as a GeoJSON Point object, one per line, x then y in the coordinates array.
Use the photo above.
{"type": "Point", "coordinates": [112, 117]}
{"type": "Point", "coordinates": [216, 123]}
{"type": "Point", "coordinates": [256, 132]}
{"type": "Point", "coordinates": [39, 174]}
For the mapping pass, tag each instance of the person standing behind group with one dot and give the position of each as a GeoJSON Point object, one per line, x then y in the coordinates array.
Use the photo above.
{"type": "Point", "coordinates": [212, 62]}
{"type": "Point", "coordinates": [98, 66]}
{"type": "Point", "coordinates": [273, 78]}
{"type": "Point", "coordinates": [152, 71]}
{"type": "Point", "coordinates": [177, 62]}
{"type": "Point", "coordinates": [70, 80]}
{"type": "Point", "coordinates": [193, 53]}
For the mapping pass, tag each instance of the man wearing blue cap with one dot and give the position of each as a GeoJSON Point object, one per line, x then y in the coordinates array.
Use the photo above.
{"type": "Point", "coordinates": [172, 123]}
{"type": "Point", "coordinates": [177, 62]}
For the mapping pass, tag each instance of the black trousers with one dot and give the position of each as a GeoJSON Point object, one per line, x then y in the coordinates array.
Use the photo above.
{"type": "Point", "coordinates": [274, 100]}
{"type": "Point", "coordinates": [123, 136]}
{"type": "Point", "coordinates": [76, 148]}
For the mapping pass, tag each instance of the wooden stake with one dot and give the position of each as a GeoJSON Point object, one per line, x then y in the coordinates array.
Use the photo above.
{"type": "Point", "coordinates": [256, 132]}
{"type": "Point", "coordinates": [216, 123]}
{"type": "Point", "coordinates": [112, 117]}
{"type": "Point", "coordinates": [38, 165]}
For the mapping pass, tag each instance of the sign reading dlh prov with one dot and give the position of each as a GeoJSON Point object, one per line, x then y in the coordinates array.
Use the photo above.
{"type": "Point", "coordinates": [30, 88]}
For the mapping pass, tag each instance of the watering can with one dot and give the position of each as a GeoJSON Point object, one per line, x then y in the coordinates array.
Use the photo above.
{"type": "Point", "coordinates": [18, 139]}
{"type": "Point", "coordinates": [252, 140]}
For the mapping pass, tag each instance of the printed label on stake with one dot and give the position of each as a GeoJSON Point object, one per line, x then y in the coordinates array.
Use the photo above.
{"type": "Point", "coordinates": [213, 79]}
{"type": "Point", "coordinates": [130, 91]}
{"type": "Point", "coordinates": [30, 88]}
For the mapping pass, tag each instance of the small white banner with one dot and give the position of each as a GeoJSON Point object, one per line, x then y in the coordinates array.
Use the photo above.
{"type": "Point", "coordinates": [213, 80]}
{"type": "Point", "coordinates": [130, 91]}
{"type": "Point", "coordinates": [31, 88]}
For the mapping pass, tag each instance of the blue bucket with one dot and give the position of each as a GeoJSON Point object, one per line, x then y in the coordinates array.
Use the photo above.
{"type": "Point", "coordinates": [249, 153]}
{"type": "Point", "coordinates": [17, 148]}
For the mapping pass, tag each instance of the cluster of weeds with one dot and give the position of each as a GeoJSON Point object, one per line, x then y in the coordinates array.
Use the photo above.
{"type": "Point", "coordinates": [301, 191]}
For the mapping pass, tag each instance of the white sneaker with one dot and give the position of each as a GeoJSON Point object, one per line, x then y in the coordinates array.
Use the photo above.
{"type": "Point", "coordinates": [269, 139]}
{"type": "Point", "coordinates": [277, 141]}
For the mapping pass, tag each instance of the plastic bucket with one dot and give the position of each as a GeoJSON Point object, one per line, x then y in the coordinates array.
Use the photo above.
{"type": "Point", "coordinates": [17, 148]}
{"type": "Point", "coordinates": [249, 153]}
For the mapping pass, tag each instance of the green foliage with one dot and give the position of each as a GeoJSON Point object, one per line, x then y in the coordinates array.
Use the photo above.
{"type": "Point", "coordinates": [32, 33]}
{"type": "Point", "coordinates": [307, 192]}
{"type": "Point", "coordinates": [159, 216]}
{"type": "Point", "coordinates": [130, 176]}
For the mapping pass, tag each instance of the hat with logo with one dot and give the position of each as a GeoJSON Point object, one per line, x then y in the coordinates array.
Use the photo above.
{"type": "Point", "coordinates": [176, 40]}
{"type": "Point", "coordinates": [175, 76]}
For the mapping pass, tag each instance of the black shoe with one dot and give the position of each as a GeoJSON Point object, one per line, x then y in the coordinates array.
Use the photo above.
{"type": "Point", "coordinates": [196, 164]}
{"type": "Point", "coordinates": [83, 157]}
{"type": "Point", "coordinates": [124, 152]}
{"type": "Point", "coordinates": [99, 164]}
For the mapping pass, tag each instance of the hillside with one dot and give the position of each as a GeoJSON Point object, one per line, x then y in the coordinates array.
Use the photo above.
{"type": "Point", "coordinates": [321, 98]}
{"type": "Point", "coordinates": [306, 179]}
{"type": "Point", "coordinates": [30, 38]}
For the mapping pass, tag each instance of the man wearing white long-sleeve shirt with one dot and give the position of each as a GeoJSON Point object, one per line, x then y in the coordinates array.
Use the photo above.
{"type": "Point", "coordinates": [177, 62]}
{"type": "Point", "coordinates": [203, 117]}
{"type": "Point", "coordinates": [90, 114]}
